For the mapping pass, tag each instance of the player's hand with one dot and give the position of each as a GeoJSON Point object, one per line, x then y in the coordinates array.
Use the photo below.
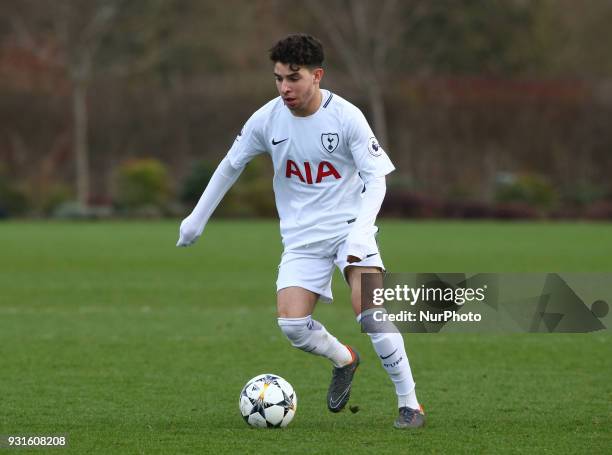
{"type": "Point", "coordinates": [190, 231]}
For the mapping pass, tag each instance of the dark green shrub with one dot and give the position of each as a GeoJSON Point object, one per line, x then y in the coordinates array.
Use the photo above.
{"type": "Point", "coordinates": [528, 189]}
{"type": "Point", "coordinates": [196, 181]}
{"type": "Point", "coordinates": [54, 197]}
{"type": "Point", "coordinates": [13, 201]}
{"type": "Point", "coordinates": [252, 194]}
{"type": "Point", "coordinates": [142, 185]}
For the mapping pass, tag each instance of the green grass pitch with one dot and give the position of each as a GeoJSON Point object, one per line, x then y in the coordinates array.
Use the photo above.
{"type": "Point", "coordinates": [112, 335]}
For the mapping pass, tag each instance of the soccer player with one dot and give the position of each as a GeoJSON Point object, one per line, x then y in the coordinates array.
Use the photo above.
{"type": "Point", "coordinates": [329, 184]}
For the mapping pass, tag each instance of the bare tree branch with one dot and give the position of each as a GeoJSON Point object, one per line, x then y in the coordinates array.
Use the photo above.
{"type": "Point", "coordinates": [385, 34]}
{"type": "Point", "coordinates": [363, 33]}
{"type": "Point", "coordinates": [347, 53]}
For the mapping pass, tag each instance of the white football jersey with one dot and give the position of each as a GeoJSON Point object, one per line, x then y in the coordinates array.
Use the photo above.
{"type": "Point", "coordinates": [321, 163]}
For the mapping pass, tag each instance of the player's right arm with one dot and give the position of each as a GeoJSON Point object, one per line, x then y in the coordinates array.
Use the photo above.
{"type": "Point", "coordinates": [221, 181]}
{"type": "Point", "coordinates": [247, 145]}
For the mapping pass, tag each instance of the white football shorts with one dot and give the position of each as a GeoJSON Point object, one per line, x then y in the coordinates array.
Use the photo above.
{"type": "Point", "coordinates": [312, 266]}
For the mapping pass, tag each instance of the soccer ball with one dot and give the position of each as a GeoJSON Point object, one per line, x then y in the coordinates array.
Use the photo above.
{"type": "Point", "coordinates": [267, 400]}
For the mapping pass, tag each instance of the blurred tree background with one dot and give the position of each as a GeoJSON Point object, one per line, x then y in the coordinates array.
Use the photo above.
{"type": "Point", "coordinates": [488, 108]}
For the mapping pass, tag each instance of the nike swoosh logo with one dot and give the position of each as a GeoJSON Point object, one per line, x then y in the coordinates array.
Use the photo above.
{"type": "Point", "coordinates": [340, 398]}
{"type": "Point", "coordinates": [388, 355]}
{"type": "Point", "coordinates": [277, 142]}
{"type": "Point", "coordinates": [370, 255]}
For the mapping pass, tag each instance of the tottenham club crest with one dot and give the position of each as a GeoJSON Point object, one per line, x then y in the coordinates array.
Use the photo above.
{"type": "Point", "coordinates": [373, 147]}
{"type": "Point", "coordinates": [330, 141]}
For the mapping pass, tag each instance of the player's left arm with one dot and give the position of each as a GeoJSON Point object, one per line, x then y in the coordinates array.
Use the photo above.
{"type": "Point", "coordinates": [373, 165]}
{"type": "Point", "coordinates": [361, 237]}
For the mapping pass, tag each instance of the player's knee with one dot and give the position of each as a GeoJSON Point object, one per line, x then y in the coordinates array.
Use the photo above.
{"type": "Point", "coordinates": [297, 330]}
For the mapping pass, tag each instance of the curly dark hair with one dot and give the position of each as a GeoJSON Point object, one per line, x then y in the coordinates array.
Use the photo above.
{"type": "Point", "coordinates": [298, 49]}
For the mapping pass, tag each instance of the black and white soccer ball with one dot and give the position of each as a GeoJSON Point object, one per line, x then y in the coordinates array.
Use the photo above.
{"type": "Point", "coordinates": [268, 400]}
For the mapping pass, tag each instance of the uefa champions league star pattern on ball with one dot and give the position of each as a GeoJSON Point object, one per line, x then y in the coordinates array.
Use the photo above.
{"type": "Point", "coordinates": [268, 400]}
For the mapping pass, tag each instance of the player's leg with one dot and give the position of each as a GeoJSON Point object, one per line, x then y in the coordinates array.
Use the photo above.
{"type": "Point", "coordinates": [295, 306]}
{"type": "Point", "coordinates": [295, 302]}
{"type": "Point", "coordinates": [304, 278]}
{"type": "Point", "coordinates": [389, 346]}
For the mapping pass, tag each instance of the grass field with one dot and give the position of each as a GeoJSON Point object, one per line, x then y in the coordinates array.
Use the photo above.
{"type": "Point", "coordinates": [111, 335]}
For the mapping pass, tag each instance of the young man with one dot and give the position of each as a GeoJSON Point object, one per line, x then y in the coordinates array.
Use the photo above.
{"type": "Point", "coordinates": [324, 154]}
